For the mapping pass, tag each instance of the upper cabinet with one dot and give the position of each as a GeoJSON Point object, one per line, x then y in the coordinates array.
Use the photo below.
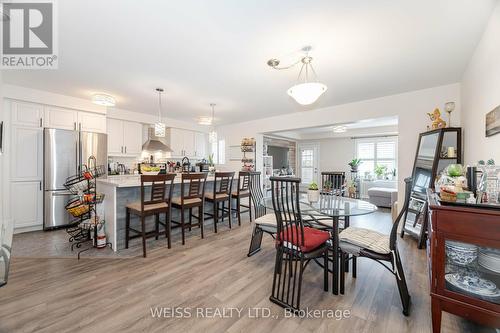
{"type": "Point", "coordinates": [124, 138]}
{"type": "Point", "coordinates": [200, 145]}
{"type": "Point", "coordinates": [186, 143]}
{"type": "Point", "coordinates": [69, 119]}
{"type": "Point", "coordinates": [92, 122]}
{"type": "Point", "coordinates": [27, 114]}
{"type": "Point", "coordinates": [61, 118]}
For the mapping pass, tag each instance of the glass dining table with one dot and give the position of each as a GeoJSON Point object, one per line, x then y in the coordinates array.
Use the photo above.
{"type": "Point", "coordinates": [326, 213]}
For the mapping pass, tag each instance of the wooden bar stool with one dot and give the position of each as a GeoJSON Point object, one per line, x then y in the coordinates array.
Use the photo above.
{"type": "Point", "coordinates": [221, 193]}
{"type": "Point", "coordinates": [193, 198]}
{"type": "Point", "coordinates": [242, 191]}
{"type": "Point", "coordinates": [158, 204]}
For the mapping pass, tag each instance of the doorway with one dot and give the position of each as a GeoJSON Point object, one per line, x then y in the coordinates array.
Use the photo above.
{"type": "Point", "coordinates": [308, 159]}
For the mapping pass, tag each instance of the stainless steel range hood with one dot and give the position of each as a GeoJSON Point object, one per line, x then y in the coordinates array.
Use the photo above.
{"type": "Point", "coordinates": [155, 143]}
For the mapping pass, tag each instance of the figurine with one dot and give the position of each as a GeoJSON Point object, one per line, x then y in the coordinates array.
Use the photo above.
{"type": "Point", "coordinates": [437, 121]}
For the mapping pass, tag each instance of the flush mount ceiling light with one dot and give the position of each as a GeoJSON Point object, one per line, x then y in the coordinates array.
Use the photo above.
{"type": "Point", "coordinates": [103, 99]}
{"type": "Point", "coordinates": [205, 121]}
{"type": "Point", "coordinates": [308, 89]}
{"type": "Point", "coordinates": [159, 126]}
{"type": "Point", "coordinates": [340, 129]}
{"type": "Point", "coordinates": [212, 135]}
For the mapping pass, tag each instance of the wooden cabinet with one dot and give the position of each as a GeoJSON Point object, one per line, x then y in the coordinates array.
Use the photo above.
{"type": "Point", "coordinates": [26, 204]}
{"type": "Point", "coordinates": [124, 138]}
{"type": "Point", "coordinates": [92, 122]}
{"type": "Point", "coordinates": [464, 262]}
{"type": "Point", "coordinates": [61, 118]}
{"type": "Point", "coordinates": [186, 143]}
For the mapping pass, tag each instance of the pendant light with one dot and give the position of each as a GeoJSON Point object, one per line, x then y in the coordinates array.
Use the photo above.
{"type": "Point", "coordinates": [159, 126]}
{"type": "Point", "coordinates": [308, 89]}
{"type": "Point", "coordinates": [212, 134]}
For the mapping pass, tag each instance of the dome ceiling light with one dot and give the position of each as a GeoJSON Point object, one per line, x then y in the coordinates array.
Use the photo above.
{"type": "Point", "coordinates": [340, 129]}
{"type": "Point", "coordinates": [103, 99]}
{"type": "Point", "coordinates": [307, 90]}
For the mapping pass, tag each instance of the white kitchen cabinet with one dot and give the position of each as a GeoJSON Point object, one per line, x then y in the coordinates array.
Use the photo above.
{"type": "Point", "coordinates": [92, 122]}
{"type": "Point", "coordinates": [200, 145]}
{"type": "Point", "coordinates": [26, 204]}
{"type": "Point", "coordinates": [61, 118]}
{"type": "Point", "coordinates": [132, 138]}
{"type": "Point", "coordinates": [27, 114]}
{"type": "Point", "coordinates": [124, 138]}
{"type": "Point", "coordinates": [188, 143]}
{"type": "Point", "coordinates": [26, 153]}
{"type": "Point", "coordinates": [175, 140]}
{"type": "Point", "coordinates": [115, 137]}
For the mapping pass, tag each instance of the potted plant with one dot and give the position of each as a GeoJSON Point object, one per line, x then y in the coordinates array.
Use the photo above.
{"type": "Point", "coordinates": [211, 165]}
{"type": "Point", "coordinates": [313, 192]}
{"type": "Point", "coordinates": [354, 164]}
{"type": "Point", "coordinates": [380, 171]}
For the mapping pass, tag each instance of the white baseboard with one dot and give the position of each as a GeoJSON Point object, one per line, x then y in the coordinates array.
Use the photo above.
{"type": "Point", "coordinates": [28, 229]}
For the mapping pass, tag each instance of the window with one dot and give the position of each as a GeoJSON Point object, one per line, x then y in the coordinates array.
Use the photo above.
{"type": "Point", "coordinates": [377, 151]}
{"type": "Point", "coordinates": [218, 149]}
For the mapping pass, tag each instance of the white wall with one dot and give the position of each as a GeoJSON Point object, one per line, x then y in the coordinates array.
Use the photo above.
{"type": "Point", "coordinates": [410, 108]}
{"type": "Point", "coordinates": [334, 154]}
{"type": "Point", "coordinates": [481, 94]}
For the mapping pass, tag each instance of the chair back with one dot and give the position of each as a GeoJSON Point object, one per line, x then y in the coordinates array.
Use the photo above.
{"type": "Point", "coordinates": [196, 185]}
{"type": "Point", "coordinates": [158, 188]}
{"type": "Point", "coordinates": [286, 203]}
{"type": "Point", "coordinates": [243, 181]}
{"type": "Point", "coordinates": [332, 179]}
{"type": "Point", "coordinates": [223, 183]}
{"type": "Point", "coordinates": [394, 230]}
{"type": "Point", "coordinates": [256, 195]}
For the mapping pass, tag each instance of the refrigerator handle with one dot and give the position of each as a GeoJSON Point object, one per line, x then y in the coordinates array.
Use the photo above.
{"type": "Point", "coordinates": [1, 137]}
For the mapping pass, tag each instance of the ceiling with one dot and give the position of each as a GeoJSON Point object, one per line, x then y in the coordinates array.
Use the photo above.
{"type": "Point", "coordinates": [365, 127]}
{"type": "Point", "coordinates": [216, 51]}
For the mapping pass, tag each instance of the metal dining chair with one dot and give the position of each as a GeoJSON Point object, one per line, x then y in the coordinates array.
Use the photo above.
{"type": "Point", "coordinates": [296, 244]}
{"type": "Point", "coordinates": [264, 222]}
{"type": "Point", "coordinates": [361, 242]}
{"type": "Point", "coordinates": [333, 180]}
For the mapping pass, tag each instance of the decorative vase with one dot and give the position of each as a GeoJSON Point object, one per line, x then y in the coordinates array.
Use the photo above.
{"type": "Point", "coordinates": [211, 169]}
{"type": "Point", "coordinates": [354, 168]}
{"type": "Point", "coordinates": [313, 195]}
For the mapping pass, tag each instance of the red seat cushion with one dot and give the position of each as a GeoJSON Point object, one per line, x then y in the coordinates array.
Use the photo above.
{"type": "Point", "coordinates": [313, 238]}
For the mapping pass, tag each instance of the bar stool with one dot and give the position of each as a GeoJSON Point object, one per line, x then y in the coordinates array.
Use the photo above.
{"type": "Point", "coordinates": [242, 191]}
{"type": "Point", "coordinates": [221, 193]}
{"type": "Point", "coordinates": [193, 198]}
{"type": "Point", "coordinates": [157, 205]}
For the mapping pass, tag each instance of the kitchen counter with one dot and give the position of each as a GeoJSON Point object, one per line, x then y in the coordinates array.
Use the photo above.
{"type": "Point", "coordinates": [121, 190]}
{"type": "Point", "coordinates": [135, 180]}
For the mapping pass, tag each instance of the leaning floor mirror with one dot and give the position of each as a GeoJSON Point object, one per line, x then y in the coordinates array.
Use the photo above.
{"type": "Point", "coordinates": [5, 250]}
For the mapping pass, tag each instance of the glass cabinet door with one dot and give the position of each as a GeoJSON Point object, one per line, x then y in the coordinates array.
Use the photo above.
{"type": "Point", "coordinates": [428, 145]}
{"type": "Point", "coordinates": [472, 270]}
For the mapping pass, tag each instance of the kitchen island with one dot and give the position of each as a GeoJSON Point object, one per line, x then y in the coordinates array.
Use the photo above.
{"type": "Point", "coordinates": [119, 191]}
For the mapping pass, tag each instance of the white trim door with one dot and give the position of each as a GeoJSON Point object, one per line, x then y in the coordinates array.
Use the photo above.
{"type": "Point", "coordinates": [308, 158]}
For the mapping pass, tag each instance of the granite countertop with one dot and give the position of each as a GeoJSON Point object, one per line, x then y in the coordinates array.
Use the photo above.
{"type": "Point", "coordinates": [135, 180]}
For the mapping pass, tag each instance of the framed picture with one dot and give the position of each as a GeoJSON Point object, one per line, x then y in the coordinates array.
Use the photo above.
{"type": "Point", "coordinates": [493, 122]}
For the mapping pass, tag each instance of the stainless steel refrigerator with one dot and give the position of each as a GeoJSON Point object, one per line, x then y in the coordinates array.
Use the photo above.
{"type": "Point", "coordinates": [65, 152]}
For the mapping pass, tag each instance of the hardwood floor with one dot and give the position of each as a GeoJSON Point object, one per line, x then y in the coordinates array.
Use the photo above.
{"type": "Point", "coordinates": [118, 294]}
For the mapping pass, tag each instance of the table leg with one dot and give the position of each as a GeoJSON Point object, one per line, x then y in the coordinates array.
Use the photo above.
{"type": "Point", "coordinates": [346, 224]}
{"type": "Point", "coordinates": [335, 278]}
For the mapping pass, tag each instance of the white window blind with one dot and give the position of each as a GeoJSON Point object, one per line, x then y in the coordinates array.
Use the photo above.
{"type": "Point", "coordinates": [376, 151]}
